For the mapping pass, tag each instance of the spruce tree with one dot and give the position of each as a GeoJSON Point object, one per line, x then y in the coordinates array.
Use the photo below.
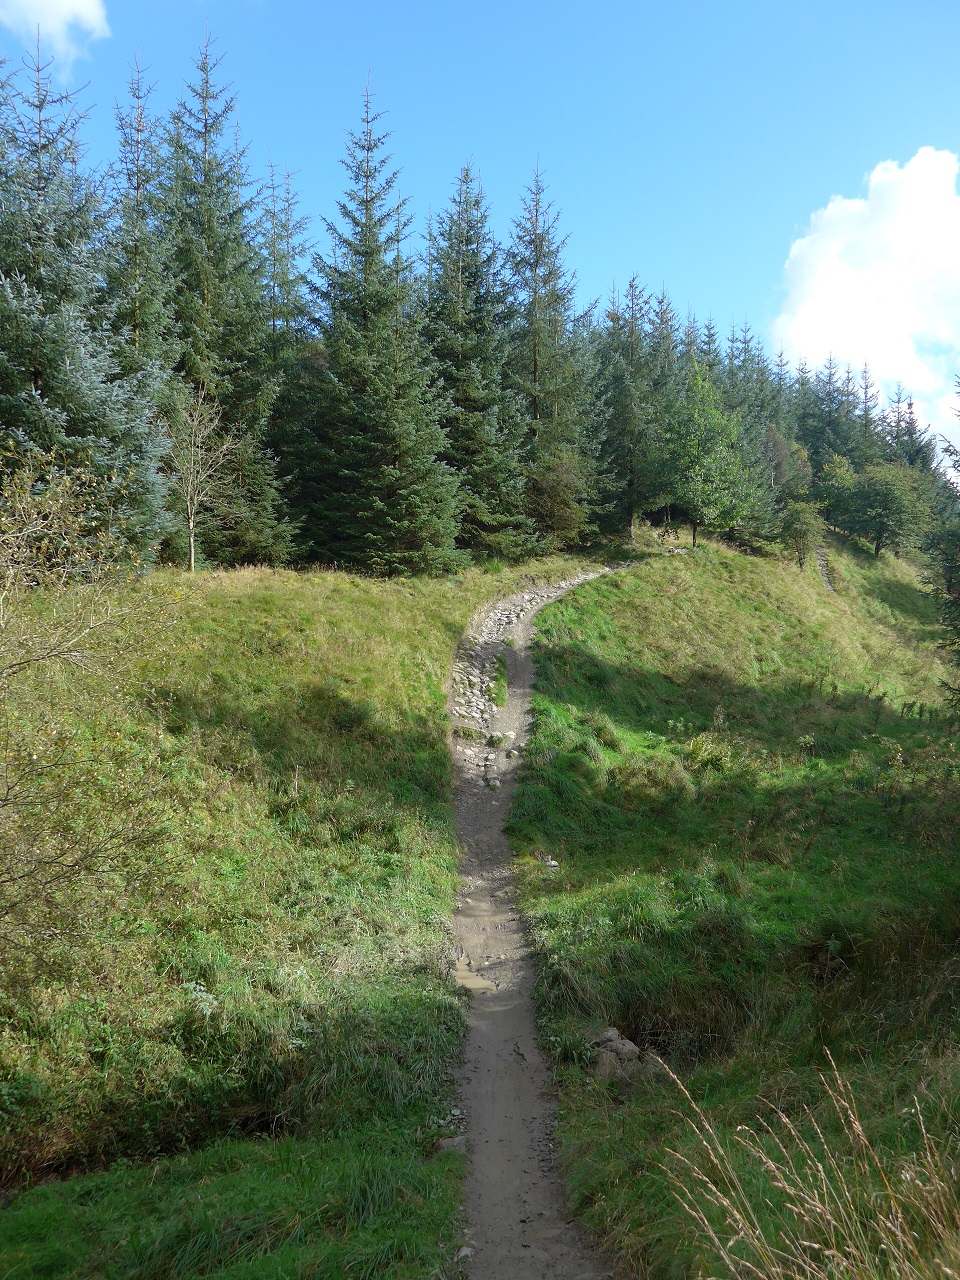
{"type": "Point", "coordinates": [383, 499]}
{"type": "Point", "coordinates": [749, 394]}
{"type": "Point", "coordinates": [294, 348]}
{"type": "Point", "coordinates": [868, 445]}
{"type": "Point", "coordinates": [553, 372]}
{"type": "Point", "coordinates": [632, 453]}
{"type": "Point", "coordinates": [289, 292]}
{"type": "Point", "coordinates": [137, 269]}
{"type": "Point", "coordinates": [219, 310]}
{"type": "Point", "coordinates": [906, 441]}
{"type": "Point", "coordinates": [62, 387]}
{"type": "Point", "coordinates": [709, 479]}
{"type": "Point", "coordinates": [469, 316]}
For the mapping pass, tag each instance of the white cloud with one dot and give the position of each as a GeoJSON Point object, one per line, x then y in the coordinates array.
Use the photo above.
{"type": "Point", "coordinates": [66, 26]}
{"type": "Point", "coordinates": [877, 281]}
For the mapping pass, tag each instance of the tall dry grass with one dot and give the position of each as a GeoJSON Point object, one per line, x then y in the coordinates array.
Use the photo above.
{"type": "Point", "coordinates": [804, 1206]}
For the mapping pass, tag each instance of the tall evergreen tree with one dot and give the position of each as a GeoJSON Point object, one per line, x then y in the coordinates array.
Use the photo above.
{"type": "Point", "coordinates": [867, 445]}
{"type": "Point", "coordinates": [294, 349]}
{"type": "Point", "coordinates": [289, 291]}
{"type": "Point", "coordinates": [469, 316]}
{"type": "Point", "coordinates": [383, 500]}
{"type": "Point", "coordinates": [709, 481]}
{"type": "Point", "coordinates": [552, 371]}
{"type": "Point", "coordinates": [219, 310]}
{"type": "Point", "coordinates": [633, 448]}
{"type": "Point", "coordinates": [137, 270]}
{"type": "Point", "coordinates": [62, 387]}
{"type": "Point", "coordinates": [906, 441]}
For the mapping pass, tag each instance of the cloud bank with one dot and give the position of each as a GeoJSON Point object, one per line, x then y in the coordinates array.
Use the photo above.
{"type": "Point", "coordinates": [876, 280]}
{"type": "Point", "coordinates": [66, 26]}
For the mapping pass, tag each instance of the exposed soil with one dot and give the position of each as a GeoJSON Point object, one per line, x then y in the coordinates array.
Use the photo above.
{"type": "Point", "coordinates": [518, 1226]}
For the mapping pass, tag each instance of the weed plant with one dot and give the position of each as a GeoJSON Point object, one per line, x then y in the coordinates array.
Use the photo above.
{"type": "Point", "coordinates": [750, 787]}
{"type": "Point", "coordinates": [266, 991]}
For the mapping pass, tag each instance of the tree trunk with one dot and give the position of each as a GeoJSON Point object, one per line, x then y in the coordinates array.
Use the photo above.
{"type": "Point", "coordinates": [694, 527]}
{"type": "Point", "coordinates": [193, 562]}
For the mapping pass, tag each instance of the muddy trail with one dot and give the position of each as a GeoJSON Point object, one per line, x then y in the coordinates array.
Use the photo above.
{"type": "Point", "coordinates": [518, 1228]}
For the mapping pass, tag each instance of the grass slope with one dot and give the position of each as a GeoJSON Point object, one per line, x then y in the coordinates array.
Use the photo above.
{"type": "Point", "coordinates": [270, 998]}
{"type": "Point", "coordinates": [750, 786]}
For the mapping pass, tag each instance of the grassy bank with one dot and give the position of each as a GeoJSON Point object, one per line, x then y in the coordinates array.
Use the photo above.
{"type": "Point", "coordinates": [750, 786]}
{"type": "Point", "coordinates": [262, 988]}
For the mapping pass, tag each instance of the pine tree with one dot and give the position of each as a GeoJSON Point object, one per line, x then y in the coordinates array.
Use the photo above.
{"type": "Point", "coordinates": [868, 445]}
{"type": "Point", "coordinates": [906, 441]}
{"type": "Point", "coordinates": [709, 481]}
{"type": "Point", "coordinates": [468, 326]}
{"type": "Point", "coordinates": [62, 388]}
{"type": "Point", "coordinates": [749, 395]}
{"type": "Point", "coordinates": [633, 449]}
{"type": "Point", "coordinates": [552, 371]}
{"type": "Point", "coordinates": [383, 500]}
{"type": "Point", "coordinates": [289, 293]}
{"type": "Point", "coordinates": [137, 270]}
{"type": "Point", "coordinates": [827, 421]}
{"type": "Point", "coordinates": [219, 310]}
{"type": "Point", "coordinates": [294, 347]}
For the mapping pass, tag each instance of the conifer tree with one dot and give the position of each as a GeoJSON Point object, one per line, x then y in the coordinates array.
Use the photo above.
{"type": "Point", "coordinates": [552, 371]}
{"type": "Point", "coordinates": [709, 481]}
{"type": "Point", "coordinates": [62, 388]}
{"type": "Point", "coordinates": [868, 444]}
{"type": "Point", "coordinates": [709, 351]}
{"type": "Point", "coordinates": [289, 293]}
{"type": "Point", "coordinates": [633, 448]}
{"type": "Point", "coordinates": [906, 441]}
{"type": "Point", "coordinates": [137, 270]}
{"type": "Point", "coordinates": [294, 348]}
{"type": "Point", "coordinates": [826, 420]}
{"type": "Point", "coordinates": [750, 397]}
{"type": "Point", "coordinates": [219, 311]}
{"type": "Point", "coordinates": [382, 500]}
{"type": "Point", "coordinates": [468, 325]}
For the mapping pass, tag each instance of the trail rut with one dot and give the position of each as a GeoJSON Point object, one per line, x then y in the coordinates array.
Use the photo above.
{"type": "Point", "coordinates": [518, 1226]}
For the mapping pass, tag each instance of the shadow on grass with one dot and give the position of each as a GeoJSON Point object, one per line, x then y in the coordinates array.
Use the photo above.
{"type": "Point", "coordinates": [318, 729]}
{"type": "Point", "coordinates": [757, 848]}
{"type": "Point", "coordinates": [642, 700]}
{"type": "Point", "coordinates": [246, 1050]}
{"type": "Point", "coordinates": [907, 607]}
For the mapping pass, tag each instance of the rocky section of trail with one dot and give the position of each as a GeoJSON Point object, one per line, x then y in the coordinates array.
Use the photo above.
{"type": "Point", "coordinates": [473, 680]}
{"type": "Point", "coordinates": [518, 1225]}
{"type": "Point", "coordinates": [824, 570]}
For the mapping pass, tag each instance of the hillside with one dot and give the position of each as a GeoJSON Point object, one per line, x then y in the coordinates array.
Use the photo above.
{"type": "Point", "coordinates": [242, 1055]}
{"type": "Point", "coordinates": [264, 989]}
{"type": "Point", "coordinates": [749, 785]}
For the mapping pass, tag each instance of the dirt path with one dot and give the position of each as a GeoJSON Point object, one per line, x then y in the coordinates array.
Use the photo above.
{"type": "Point", "coordinates": [824, 569]}
{"type": "Point", "coordinates": [518, 1228]}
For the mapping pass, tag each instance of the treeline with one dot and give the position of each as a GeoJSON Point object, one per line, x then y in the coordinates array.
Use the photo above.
{"type": "Point", "coordinates": [168, 327]}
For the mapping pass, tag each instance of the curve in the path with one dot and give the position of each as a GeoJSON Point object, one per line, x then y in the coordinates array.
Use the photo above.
{"type": "Point", "coordinates": [518, 1226]}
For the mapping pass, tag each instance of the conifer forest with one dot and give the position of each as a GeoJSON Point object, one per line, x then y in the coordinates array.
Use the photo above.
{"type": "Point", "coordinates": [405, 403]}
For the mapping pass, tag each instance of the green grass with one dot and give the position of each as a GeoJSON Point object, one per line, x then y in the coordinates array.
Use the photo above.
{"type": "Point", "coordinates": [499, 690]}
{"type": "Point", "coordinates": [273, 980]}
{"type": "Point", "coordinates": [750, 786]}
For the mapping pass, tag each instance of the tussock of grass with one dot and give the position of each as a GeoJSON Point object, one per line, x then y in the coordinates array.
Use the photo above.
{"type": "Point", "coordinates": [848, 1212]}
{"type": "Point", "coordinates": [278, 973]}
{"type": "Point", "coordinates": [750, 787]}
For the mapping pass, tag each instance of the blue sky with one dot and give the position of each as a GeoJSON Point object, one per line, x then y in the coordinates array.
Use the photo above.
{"type": "Point", "coordinates": [697, 145]}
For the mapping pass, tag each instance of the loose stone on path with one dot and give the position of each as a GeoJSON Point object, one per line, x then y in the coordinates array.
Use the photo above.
{"type": "Point", "coordinates": [518, 1224]}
